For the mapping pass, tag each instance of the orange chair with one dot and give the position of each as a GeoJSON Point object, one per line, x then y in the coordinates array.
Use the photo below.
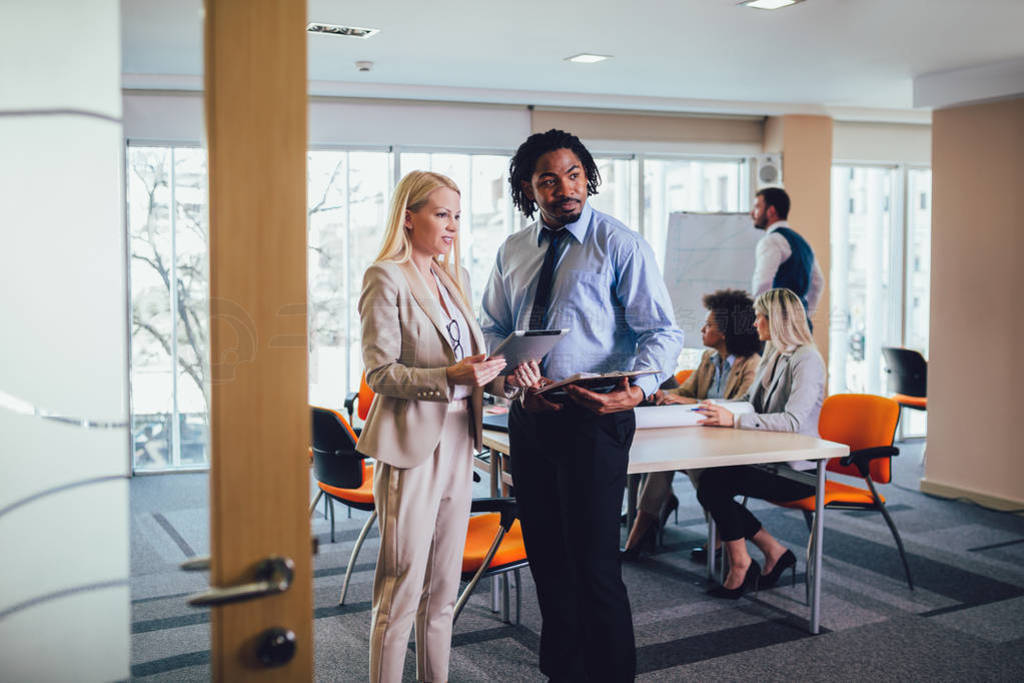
{"type": "Point", "coordinates": [342, 475]}
{"type": "Point", "coordinates": [682, 376]}
{"type": "Point", "coordinates": [494, 545]}
{"type": "Point", "coordinates": [494, 542]}
{"type": "Point", "coordinates": [867, 424]}
{"type": "Point", "coordinates": [361, 400]}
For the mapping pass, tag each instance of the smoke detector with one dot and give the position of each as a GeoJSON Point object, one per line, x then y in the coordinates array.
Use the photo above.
{"type": "Point", "coordinates": [334, 29]}
{"type": "Point", "coordinates": [364, 66]}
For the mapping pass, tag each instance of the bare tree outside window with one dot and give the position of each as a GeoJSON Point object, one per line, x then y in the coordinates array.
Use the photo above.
{"type": "Point", "coordinates": [169, 247]}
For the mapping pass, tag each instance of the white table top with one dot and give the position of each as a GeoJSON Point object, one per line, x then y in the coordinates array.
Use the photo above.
{"type": "Point", "coordinates": [681, 448]}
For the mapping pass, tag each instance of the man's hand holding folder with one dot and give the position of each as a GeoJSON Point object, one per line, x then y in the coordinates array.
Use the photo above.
{"type": "Point", "coordinates": [624, 397]}
{"type": "Point", "coordinates": [541, 397]}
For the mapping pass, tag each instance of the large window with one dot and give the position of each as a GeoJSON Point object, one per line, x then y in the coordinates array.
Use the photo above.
{"type": "Point", "coordinates": [167, 225]}
{"type": "Point", "coordinates": [881, 227]}
{"type": "Point", "coordinates": [487, 213]}
{"type": "Point", "coordinates": [688, 185]}
{"type": "Point", "coordinates": [347, 207]}
{"type": "Point", "coordinates": [619, 193]}
{"type": "Point", "coordinates": [348, 194]}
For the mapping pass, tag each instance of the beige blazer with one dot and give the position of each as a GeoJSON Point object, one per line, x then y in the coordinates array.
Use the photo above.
{"type": "Point", "coordinates": [405, 353]}
{"type": "Point", "coordinates": [741, 376]}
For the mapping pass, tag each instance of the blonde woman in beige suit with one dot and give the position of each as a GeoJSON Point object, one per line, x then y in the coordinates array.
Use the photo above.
{"type": "Point", "coordinates": [425, 358]}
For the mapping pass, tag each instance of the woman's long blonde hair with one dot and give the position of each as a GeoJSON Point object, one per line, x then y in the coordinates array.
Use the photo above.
{"type": "Point", "coordinates": [410, 195]}
{"type": "Point", "coordinates": [787, 319]}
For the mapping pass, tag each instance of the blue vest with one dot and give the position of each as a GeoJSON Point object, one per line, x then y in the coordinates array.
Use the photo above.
{"type": "Point", "coordinates": [795, 272]}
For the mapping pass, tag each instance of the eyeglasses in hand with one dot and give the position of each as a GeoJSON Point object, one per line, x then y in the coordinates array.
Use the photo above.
{"type": "Point", "coordinates": [455, 335]}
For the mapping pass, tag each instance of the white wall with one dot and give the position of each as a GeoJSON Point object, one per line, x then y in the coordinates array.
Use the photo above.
{"type": "Point", "coordinates": [887, 143]}
{"type": "Point", "coordinates": [64, 597]}
{"type": "Point", "coordinates": [178, 117]}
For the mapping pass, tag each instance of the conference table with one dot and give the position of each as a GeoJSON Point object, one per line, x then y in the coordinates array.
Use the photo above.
{"type": "Point", "coordinates": [685, 448]}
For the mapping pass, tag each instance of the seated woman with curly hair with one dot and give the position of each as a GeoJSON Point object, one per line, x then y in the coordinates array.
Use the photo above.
{"type": "Point", "coordinates": [725, 371]}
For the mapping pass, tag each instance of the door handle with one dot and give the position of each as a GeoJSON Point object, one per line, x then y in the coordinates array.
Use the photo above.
{"type": "Point", "coordinates": [272, 575]}
{"type": "Point", "coordinates": [196, 564]}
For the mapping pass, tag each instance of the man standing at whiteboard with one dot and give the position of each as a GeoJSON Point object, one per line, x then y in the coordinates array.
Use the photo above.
{"type": "Point", "coordinates": [783, 257]}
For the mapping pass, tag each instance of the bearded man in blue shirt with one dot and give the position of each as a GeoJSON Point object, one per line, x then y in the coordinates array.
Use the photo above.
{"type": "Point", "coordinates": [580, 269]}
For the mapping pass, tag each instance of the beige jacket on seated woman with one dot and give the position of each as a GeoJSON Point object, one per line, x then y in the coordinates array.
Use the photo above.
{"type": "Point", "coordinates": [405, 353]}
{"type": "Point", "coordinates": [741, 375]}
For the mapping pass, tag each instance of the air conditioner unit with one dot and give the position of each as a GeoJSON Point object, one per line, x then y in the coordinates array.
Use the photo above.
{"type": "Point", "coordinates": [767, 171]}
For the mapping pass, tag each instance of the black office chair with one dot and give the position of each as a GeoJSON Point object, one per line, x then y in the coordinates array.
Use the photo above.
{"type": "Point", "coordinates": [907, 371]}
{"type": "Point", "coordinates": [342, 475]}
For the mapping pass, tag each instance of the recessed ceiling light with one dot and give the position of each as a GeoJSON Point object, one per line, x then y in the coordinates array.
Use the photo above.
{"type": "Point", "coordinates": [587, 58]}
{"type": "Point", "coordinates": [768, 4]}
{"type": "Point", "coordinates": [333, 29]}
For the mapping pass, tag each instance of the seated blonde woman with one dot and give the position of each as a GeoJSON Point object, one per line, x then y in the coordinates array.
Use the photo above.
{"type": "Point", "coordinates": [787, 394]}
{"type": "Point", "coordinates": [725, 371]}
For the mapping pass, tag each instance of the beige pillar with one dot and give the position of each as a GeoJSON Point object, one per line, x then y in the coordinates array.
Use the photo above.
{"type": "Point", "coordinates": [977, 281]}
{"type": "Point", "coordinates": [805, 143]}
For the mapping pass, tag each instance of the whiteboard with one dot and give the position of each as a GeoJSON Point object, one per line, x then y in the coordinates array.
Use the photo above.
{"type": "Point", "coordinates": [705, 252]}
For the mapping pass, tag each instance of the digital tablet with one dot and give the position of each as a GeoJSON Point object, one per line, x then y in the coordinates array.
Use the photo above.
{"type": "Point", "coordinates": [526, 345]}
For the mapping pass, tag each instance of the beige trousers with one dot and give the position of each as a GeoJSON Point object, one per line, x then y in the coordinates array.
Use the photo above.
{"type": "Point", "coordinates": [423, 513]}
{"type": "Point", "coordinates": [657, 488]}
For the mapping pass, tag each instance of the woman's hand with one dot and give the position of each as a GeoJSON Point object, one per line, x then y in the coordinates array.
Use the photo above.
{"type": "Point", "coordinates": [525, 376]}
{"type": "Point", "coordinates": [715, 415]}
{"type": "Point", "coordinates": [474, 371]}
{"type": "Point", "coordinates": [662, 398]}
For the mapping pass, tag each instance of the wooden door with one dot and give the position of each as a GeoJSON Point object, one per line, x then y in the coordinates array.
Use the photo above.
{"type": "Point", "coordinates": [255, 52]}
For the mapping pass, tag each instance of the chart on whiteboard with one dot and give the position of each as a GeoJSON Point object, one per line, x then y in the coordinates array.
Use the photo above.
{"type": "Point", "coordinates": [705, 252]}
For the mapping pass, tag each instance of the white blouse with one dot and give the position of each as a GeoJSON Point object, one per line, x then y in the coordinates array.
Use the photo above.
{"type": "Point", "coordinates": [458, 336]}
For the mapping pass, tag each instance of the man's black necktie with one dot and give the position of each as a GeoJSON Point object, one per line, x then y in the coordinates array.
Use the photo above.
{"type": "Point", "coordinates": [547, 276]}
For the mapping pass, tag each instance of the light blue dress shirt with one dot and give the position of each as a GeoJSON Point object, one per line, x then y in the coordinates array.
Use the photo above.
{"type": "Point", "coordinates": [607, 291]}
{"type": "Point", "coordinates": [722, 369]}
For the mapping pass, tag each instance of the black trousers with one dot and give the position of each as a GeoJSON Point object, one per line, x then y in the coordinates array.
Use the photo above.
{"type": "Point", "coordinates": [720, 485]}
{"type": "Point", "coordinates": [569, 472]}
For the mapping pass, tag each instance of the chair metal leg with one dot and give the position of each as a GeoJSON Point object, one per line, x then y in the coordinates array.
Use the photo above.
{"type": "Point", "coordinates": [809, 557]}
{"type": "Point", "coordinates": [892, 528]}
{"type": "Point", "coordinates": [329, 500]}
{"type": "Point", "coordinates": [505, 615]}
{"type": "Point", "coordinates": [519, 595]}
{"type": "Point", "coordinates": [327, 505]}
{"type": "Point", "coordinates": [355, 553]}
{"type": "Point", "coordinates": [712, 532]}
{"type": "Point", "coordinates": [461, 602]}
{"type": "Point", "coordinates": [312, 506]}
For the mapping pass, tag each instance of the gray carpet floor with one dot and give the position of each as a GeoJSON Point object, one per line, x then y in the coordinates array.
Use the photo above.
{"type": "Point", "coordinates": [964, 621]}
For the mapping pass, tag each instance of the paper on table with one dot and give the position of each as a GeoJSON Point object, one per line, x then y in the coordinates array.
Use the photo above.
{"type": "Point", "coordinates": [682, 415]}
{"type": "Point", "coordinates": [734, 407]}
{"type": "Point", "coordinates": [652, 417]}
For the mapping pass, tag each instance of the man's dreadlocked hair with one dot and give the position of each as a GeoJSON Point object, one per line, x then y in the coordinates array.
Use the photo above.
{"type": "Point", "coordinates": [525, 162]}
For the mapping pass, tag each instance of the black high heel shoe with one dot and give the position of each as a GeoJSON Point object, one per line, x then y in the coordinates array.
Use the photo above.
{"type": "Point", "coordinates": [645, 546]}
{"type": "Point", "coordinates": [787, 561]}
{"type": "Point", "coordinates": [749, 584]}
